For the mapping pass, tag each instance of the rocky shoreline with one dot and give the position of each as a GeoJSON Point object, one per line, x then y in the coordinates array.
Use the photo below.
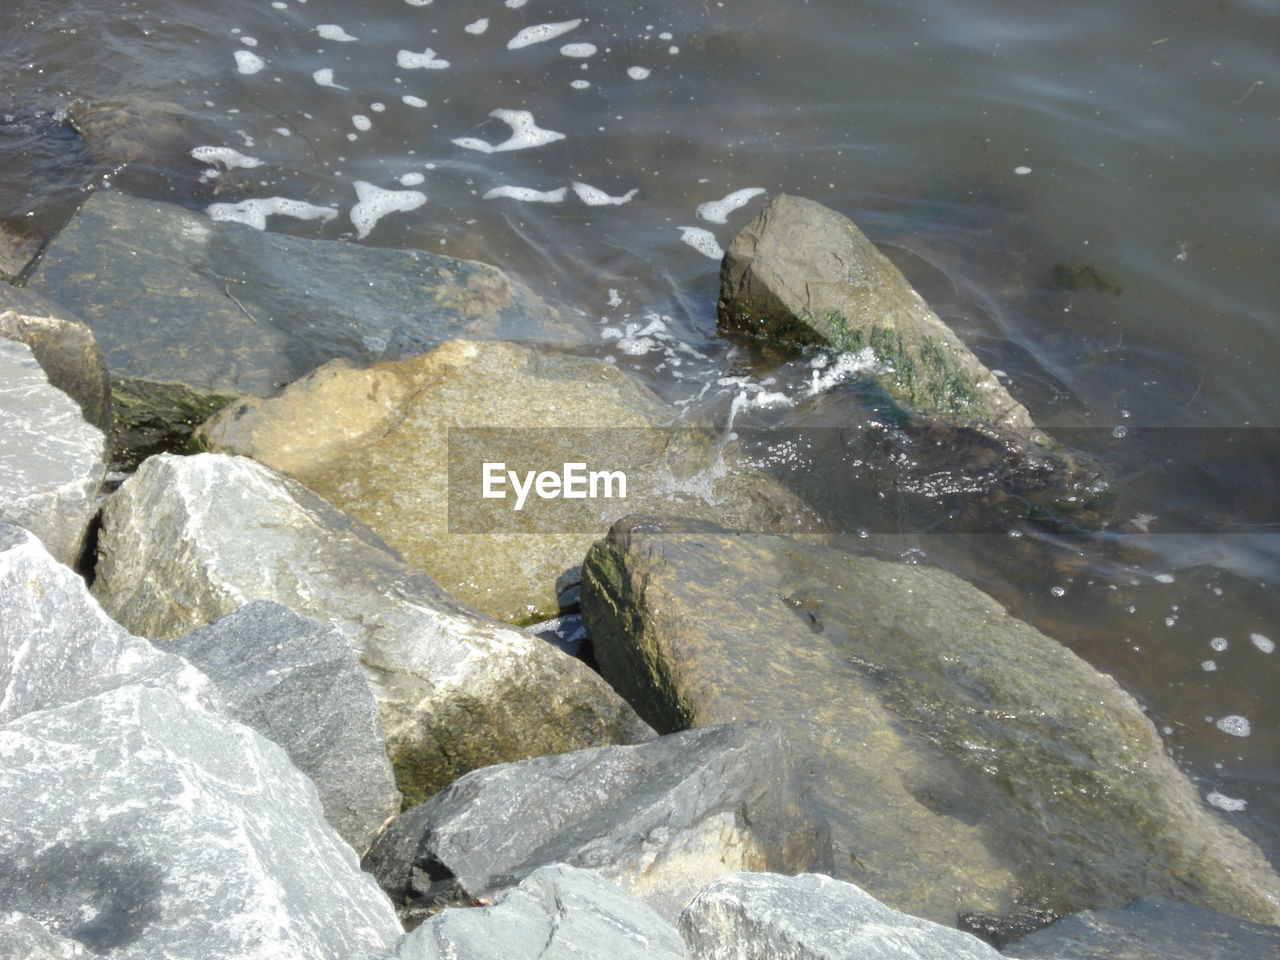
{"type": "Point", "coordinates": [265, 700]}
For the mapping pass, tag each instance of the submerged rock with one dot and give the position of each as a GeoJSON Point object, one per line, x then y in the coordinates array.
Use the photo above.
{"type": "Point", "coordinates": [966, 763]}
{"type": "Point", "coordinates": [299, 684]}
{"type": "Point", "coordinates": [51, 461]}
{"type": "Point", "coordinates": [187, 540]}
{"type": "Point", "coordinates": [661, 820]}
{"type": "Point", "coordinates": [70, 357]}
{"type": "Point", "coordinates": [761, 916]}
{"type": "Point", "coordinates": [384, 444]}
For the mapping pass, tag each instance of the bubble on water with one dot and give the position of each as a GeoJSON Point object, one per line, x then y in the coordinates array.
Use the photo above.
{"type": "Point", "coordinates": [377, 107]}
{"type": "Point", "coordinates": [516, 4]}
{"type": "Point", "coordinates": [704, 241]}
{"type": "Point", "coordinates": [411, 179]}
{"type": "Point", "coordinates": [717, 211]}
{"type": "Point", "coordinates": [579, 50]}
{"type": "Point", "coordinates": [427, 60]}
{"type": "Point", "coordinates": [527, 194]}
{"type": "Point", "coordinates": [225, 157]}
{"type": "Point", "coordinates": [846, 366]}
{"type": "Point", "coordinates": [413, 101]}
{"type": "Point", "coordinates": [477, 27]}
{"type": "Point", "coordinates": [525, 133]}
{"type": "Point", "coordinates": [673, 50]}
{"type": "Point", "coordinates": [249, 41]}
{"type": "Point", "coordinates": [254, 213]}
{"type": "Point", "coordinates": [1164, 578]}
{"type": "Point", "coordinates": [373, 203]}
{"type": "Point", "coordinates": [638, 73]}
{"type": "Point", "coordinates": [418, 3]}
{"type": "Point", "coordinates": [325, 79]}
{"type": "Point", "coordinates": [1208, 666]}
{"type": "Point", "coordinates": [579, 84]}
{"type": "Point", "coordinates": [361, 122]}
{"type": "Point", "coordinates": [1223, 802]}
{"type": "Point", "coordinates": [248, 63]}
{"type": "Point", "coordinates": [331, 31]}
{"type": "Point", "coordinates": [665, 36]}
{"type": "Point", "coordinates": [1058, 591]}
{"type": "Point", "coordinates": [594, 197]}
{"type": "Point", "coordinates": [1218, 643]}
{"type": "Point", "coordinates": [1265, 644]}
{"type": "Point", "coordinates": [1235, 725]}
{"type": "Point", "coordinates": [1022, 171]}
{"type": "Point", "coordinates": [1119, 432]}
{"type": "Point", "coordinates": [541, 33]}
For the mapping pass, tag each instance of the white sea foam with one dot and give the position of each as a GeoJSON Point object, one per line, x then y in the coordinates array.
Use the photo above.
{"type": "Point", "coordinates": [1218, 643]}
{"type": "Point", "coordinates": [224, 157]}
{"type": "Point", "coordinates": [477, 27]}
{"type": "Point", "coordinates": [331, 31]}
{"type": "Point", "coordinates": [377, 107]}
{"type": "Point", "coordinates": [579, 84]}
{"type": "Point", "coordinates": [828, 372]}
{"type": "Point", "coordinates": [704, 241]}
{"type": "Point", "coordinates": [325, 79]}
{"type": "Point", "coordinates": [413, 101]}
{"type": "Point", "coordinates": [374, 203]}
{"type": "Point", "coordinates": [418, 3]}
{"type": "Point", "coordinates": [527, 193]}
{"type": "Point", "coordinates": [1164, 578]}
{"type": "Point", "coordinates": [579, 50]}
{"type": "Point", "coordinates": [717, 211]}
{"type": "Point", "coordinates": [638, 73]}
{"type": "Point", "coordinates": [1208, 666]}
{"type": "Point", "coordinates": [1022, 171]}
{"type": "Point", "coordinates": [427, 60]}
{"type": "Point", "coordinates": [541, 33]}
{"type": "Point", "coordinates": [254, 213]}
{"type": "Point", "coordinates": [1265, 644]}
{"type": "Point", "coordinates": [594, 197]}
{"type": "Point", "coordinates": [516, 4]}
{"type": "Point", "coordinates": [1223, 802]}
{"type": "Point", "coordinates": [524, 134]}
{"type": "Point", "coordinates": [1235, 725]}
{"type": "Point", "coordinates": [411, 179]}
{"type": "Point", "coordinates": [361, 122]}
{"type": "Point", "coordinates": [249, 41]}
{"type": "Point", "coordinates": [247, 62]}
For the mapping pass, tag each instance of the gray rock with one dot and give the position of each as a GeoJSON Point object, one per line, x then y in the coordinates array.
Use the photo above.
{"type": "Point", "coordinates": [298, 683]}
{"type": "Point", "coordinates": [57, 645]}
{"type": "Point", "coordinates": [187, 540]}
{"type": "Point", "coordinates": [661, 820]}
{"type": "Point", "coordinates": [557, 913]}
{"type": "Point", "coordinates": [138, 826]}
{"type": "Point", "coordinates": [813, 917]}
{"type": "Point", "coordinates": [22, 938]}
{"type": "Point", "coordinates": [1150, 929]}
{"type": "Point", "coordinates": [966, 763]}
{"type": "Point", "coordinates": [70, 358]}
{"type": "Point", "coordinates": [21, 300]}
{"type": "Point", "coordinates": [51, 461]}
{"type": "Point", "coordinates": [17, 249]}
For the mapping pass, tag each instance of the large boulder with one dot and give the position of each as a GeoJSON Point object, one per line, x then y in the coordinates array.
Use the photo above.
{"type": "Point", "coordinates": [187, 540]}
{"type": "Point", "coordinates": [299, 684]}
{"type": "Point", "coordinates": [51, 461]}
{"type": "Point", "coordinates": [70, 357]}
{"type": "Point", "coordinates": [556, 913]}
{"type": "Point", "coordinates": [391, 445]}
{"type": "Point", "coordinates": [139, 826]}
{"type": "Point", "coordinates": [661, 820]}
{"type": "Point", "coordinates": [966, 762]}
{"type": "Point", "coordinates": [813, 917]}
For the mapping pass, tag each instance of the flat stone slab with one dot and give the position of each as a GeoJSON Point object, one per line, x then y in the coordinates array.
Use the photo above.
{"type": "Point", "coordinates": [70, 357]}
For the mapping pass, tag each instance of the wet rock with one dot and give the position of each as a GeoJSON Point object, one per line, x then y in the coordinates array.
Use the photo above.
{"type": "Point", "coordinates": [22, 300]}
{"type": "Point", "coordinates": [966, 762]}
{"type": "Point", "coordinates": [141, 827]}
{"type": "Point", "coordinates": [557, 913]}
{"type": "Point", "coordinates": [23, 938]}
{"type": "Point", "coordinates": [813, 917]}
{"type": "Point", "coordinates": [383, 443]}
{"type": "Point", "coordinates": [118, 132]}
{"type": "Point", "coordinates": [17, 249]}
{"type": "Point", "coordinates": [51, 461]}
{"type": "Point", "coordinates": [661, 820]}
{"type": "Point", "coordinates": [70, 358]}
{"type": "Point", "coordinates": [1150, 929]}
{"type": "Point", "coordinates": [58, 646]}
{"type": "Point", "coordinates": [187, 540]}
{"type": "Point", "coordinates": [298, 683]}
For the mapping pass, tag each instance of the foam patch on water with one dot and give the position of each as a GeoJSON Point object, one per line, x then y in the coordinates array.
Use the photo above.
{"type": "Point", "coordinates": [225, 157]}
{"type": "Point", "coordinates": [717, 211]}
{"type": "Point", "coordinates": [413, 101]}
{"type": "Point", "coordinates": [527, 193]}
{"type": "Point", "coordinates": [1223, 802]}
{"type": "Point", "coordinates": [1208, 666]}
{"type": "Point", "coordinates": [579, 84]}
{"type": "Point", "coordinates": [477, 27]}
{"type": "Point", "coordinates": [324, 78]}
{"type": "Point", "coordinates": [411, 179]}
{"type": "Point", "coordinates": [525, 133]}
{"type": "Point", "coordinates": [704, 241]}
{"type": "Point", "coordinates": [516, 4]}
{"type": "Point", "coordinates": [1218, 643]}
{"type": "Point", "coordinates": [248, 62]}
{"type": "Point", "coordinates": [361, 122]}
{"type": "Point", "coordinates": [1235, 725]}
{"type": "Point", "coordinates": [638, 73]}
{"type": "Point", "coordinates": [594, 197]}
{"type": "Point", "coordinates": [249, 41]}
{"type": "Point", "coordinates": [331, 31]}
{"type": "Point", "coordinates": [1164, 578]}
{"type": "Point", "coordinates": [427, 60]}
{"type": "Point", "coordinates": [418, 3]}
{"type": "Point", "coordinates": [579, 50]}
{"type": "Point", "coordinates": [254, 213]}
{"type": "Point", "coordinates": [1265, 644]}
{"type": "Point", "coordinates": [541, 33]}
{"type": "Point", "coordinates": [374, 203]}
{"type": "Point", "coordinates": [829, 372]}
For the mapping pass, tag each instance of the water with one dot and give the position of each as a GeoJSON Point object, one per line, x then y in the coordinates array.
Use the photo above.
{"type": "Point", "coordinates": [1085, 191]}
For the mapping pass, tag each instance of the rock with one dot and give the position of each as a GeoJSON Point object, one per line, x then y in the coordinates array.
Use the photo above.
{"type": "Point", "coordinates": [139, 826]}
{"type": "Point", "coordinates": [557, 913]}
{"type": "Point", "coordinates": [17, 249]}
{"type": "Point", "coordinates": [802, 273]}
{"type": "Point", "coordinates": [118, 132]}
{"type": "Point", "coordinates": [965, 762]}
{"type": "Point", "coordinates": [70, 358]}
{"type": "Point", "coordinates": [661, 820]}
{"type": "Point", "coordinates": [51, 461]}
{"type": "Point", "coordinates": [187, 540]}
{"type": "Point", "coordinates": [298, 683]}
{"type": "Point", "coordinates": [1150, 929]}
{"type": "Point", "coordinates": [22, 938]}
{"type": "Point", "coordinates": [21, 300]}
{"type": "Point", "coordinates": [384, 444]}
{"type": "Point", "coordinates": [57, 645]}
{"type": "Point", "coordinates": [812, 917]}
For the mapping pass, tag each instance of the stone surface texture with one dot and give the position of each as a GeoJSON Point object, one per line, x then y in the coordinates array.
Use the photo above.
{"type": "Point", "coordinates": [22, 938]}
{"type": "Point", "coordinates": [70, 357]}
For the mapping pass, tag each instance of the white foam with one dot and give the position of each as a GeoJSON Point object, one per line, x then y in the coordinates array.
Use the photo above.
{"type": "Point", "coordinates": [516, 4]}
{"type": "Point", "coordinates": [527, 193]}
{"type": "Point", "coordinates": [249, 41]}
{"type": "Point", "coordinates": [247, 62]}
{"type": "Point", "coordinates": [1223, 802]}
{"type": "Point", "coordinates": [331, 31]}
{"type": "Point", "coordinates": [638, 73]}
{"type": "Point", "coordinates": [541, 33]}
{"type": "Point", "coordinates": [411, 179]}
{"type": "Point", "coordinates": [579, 84]}
{"type": "Point", "coordinates": [377, 107]}
{"type": "Point", "coordinates": [717, 211]}
{"type": "Point", "coordinates": [418, 3]}
{"type": "Point", "coordinates": [413, 101]}
{"type": "Point", "coordinates": [1022, 171]}
{"type": "Point", "coordinates": [704, 241]}
{"type": "Point", "coordinates": [1208, 666]}
{"type": "Point", "coordinates": [225, 157]}
{"type": "Point", "coordinates": [374, 203]}
{"type": "Point", "coordinates": [361, 122]}
{"type": "Point", "coordinates": [325, 79]}
{"type": "Point", "coordinates": [1265, 644]}
{"type": "Point", "coordinates": [524, 134]}
{"type": "Point", "coordinates": [1218, 643]}
{"type": "Point", "coordinates": [827, 373]}
{"type": "Point", "coordinates": [1235, 725]}
{"type": "Point", "coordinates": [1163, 578]}
{"type": "Point", "coordinates": [427, 60]}
{"type": "Point", "coordinates": [477, 27]}
{"type": "Point", "coordinates": [254, 213]}
{"type": "Point", "coordinates": [594, 197]}
{"type": "Point", "coordinates": [579, 50]}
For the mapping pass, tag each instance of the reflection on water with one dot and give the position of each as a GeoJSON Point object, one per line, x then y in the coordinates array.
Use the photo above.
{"type": "Point", "coordinates": [1083, 192]}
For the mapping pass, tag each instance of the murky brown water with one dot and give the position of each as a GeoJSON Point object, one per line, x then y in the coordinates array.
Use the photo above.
{"type": "Point", "coordinates": [1087, 191]}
